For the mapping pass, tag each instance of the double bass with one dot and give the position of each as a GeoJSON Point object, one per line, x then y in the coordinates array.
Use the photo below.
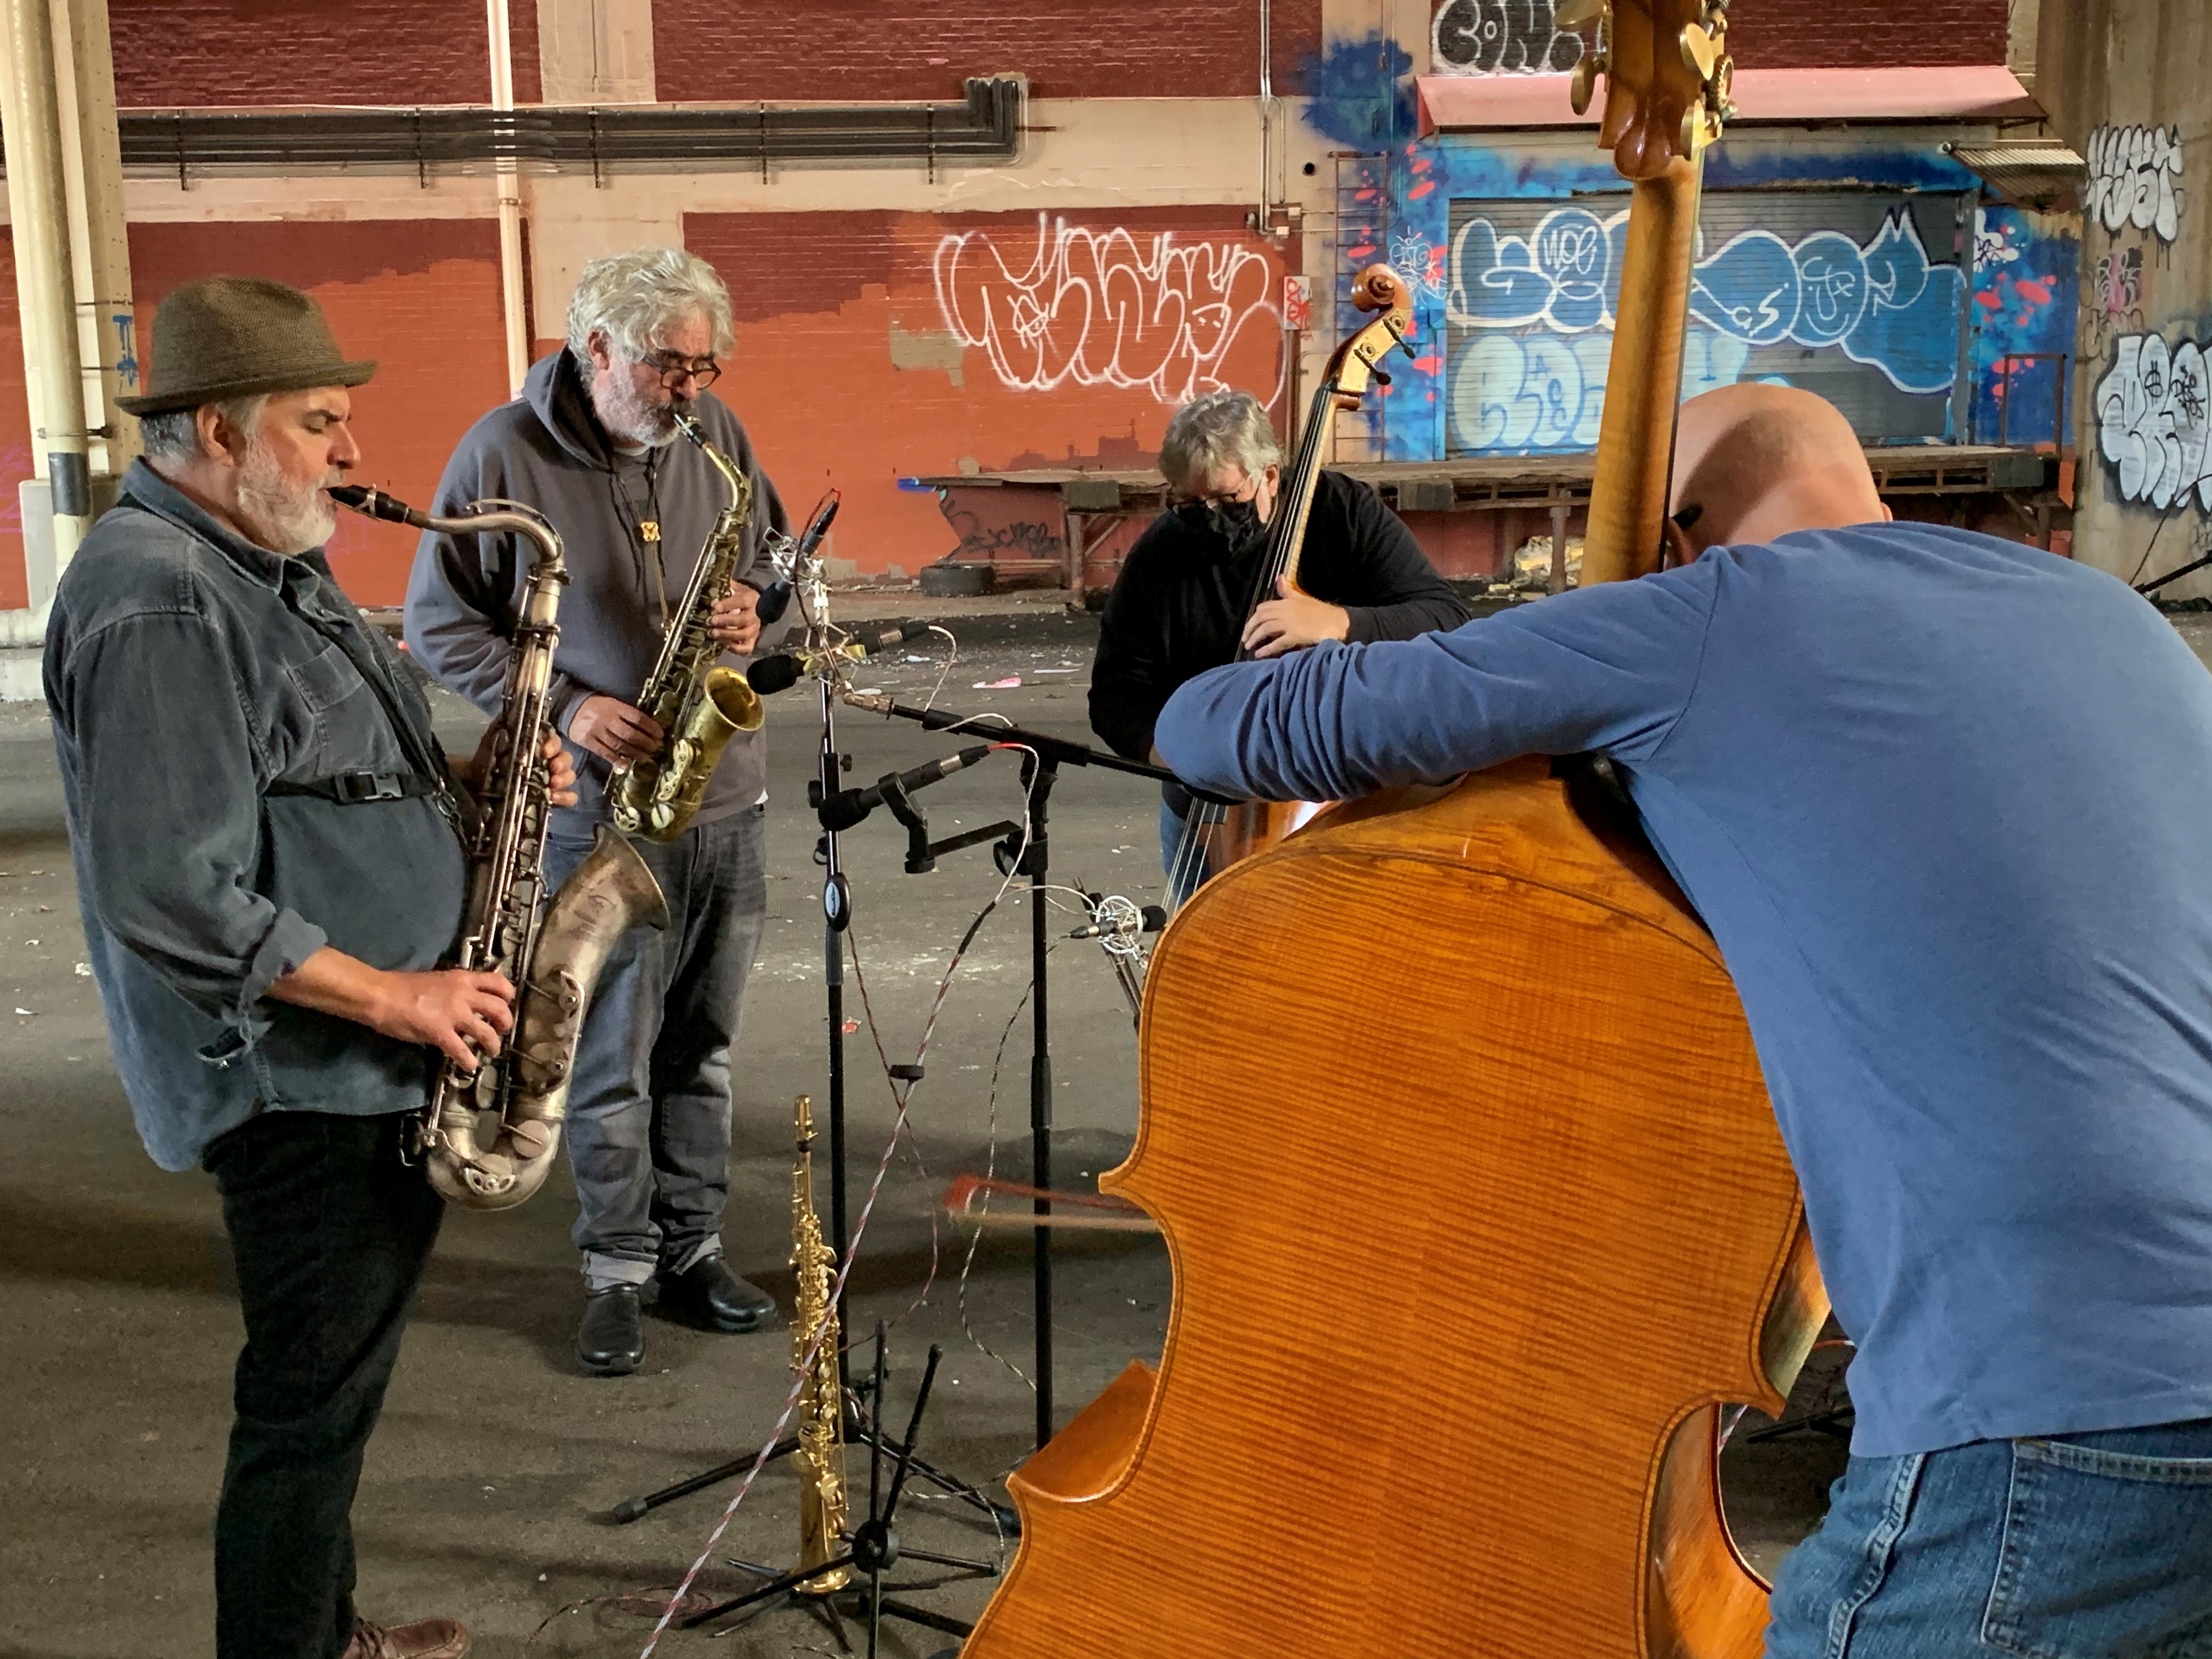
{"type": "Point", "coordinates": [1467, 1057]}
{"type": "Point", "coordinates": [1226, 834]}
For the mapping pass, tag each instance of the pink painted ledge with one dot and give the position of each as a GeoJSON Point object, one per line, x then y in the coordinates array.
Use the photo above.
{"type": "Point", "coordinates": [1458, 103]}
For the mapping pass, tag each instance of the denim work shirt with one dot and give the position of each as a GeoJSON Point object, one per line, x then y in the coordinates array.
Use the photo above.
{"type": "Point", "coordinates": [188, 671]}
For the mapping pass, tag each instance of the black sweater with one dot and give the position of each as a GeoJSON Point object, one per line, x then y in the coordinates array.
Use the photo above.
{"type": "Point", "coordinates": [1178, 607]}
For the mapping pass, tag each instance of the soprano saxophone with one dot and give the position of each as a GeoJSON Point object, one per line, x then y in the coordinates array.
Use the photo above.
{"type": "Point", "coordinates": [699, 707]}
{"type": "Point", "coordinates": [814, 1336]}
{"type": "Point", "coordinates": [489, 1137]}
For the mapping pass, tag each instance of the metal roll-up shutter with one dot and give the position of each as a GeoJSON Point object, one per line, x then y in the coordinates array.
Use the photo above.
{"type": "Point", "coordinates": [1859, 295]}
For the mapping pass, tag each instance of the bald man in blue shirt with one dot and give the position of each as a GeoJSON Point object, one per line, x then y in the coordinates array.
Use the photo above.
{"type": "Point", "coordinates": [1944, 802]}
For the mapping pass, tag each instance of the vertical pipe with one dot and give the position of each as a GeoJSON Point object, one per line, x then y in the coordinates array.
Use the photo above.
{"type": "Point", "coordinates": [40, 215]}
{"type": "Point", "coordinates": [107, 301]}
{"type": "Point", "coordinates": [510, 204]}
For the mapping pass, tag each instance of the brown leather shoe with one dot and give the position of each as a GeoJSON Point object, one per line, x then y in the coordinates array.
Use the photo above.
{"type": "Point", "coordinates": [426, 1638]}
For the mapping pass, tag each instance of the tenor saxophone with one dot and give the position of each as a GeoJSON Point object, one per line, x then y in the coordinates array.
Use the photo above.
{"type": "Point", "coordinates": [699, 707]}
{"type": "Point", "coordinates": [814, 1335]}
{"type": "Point", "coordinates": [489, 1137]}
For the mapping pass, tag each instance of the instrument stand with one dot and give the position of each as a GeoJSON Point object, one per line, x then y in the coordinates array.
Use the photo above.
{"type": "Point", "coordinates": [873, 1548]}
{"type": "Point", "coordinates": [836, 912]}
{"type": "Point", "coordinates": [1041, 766]}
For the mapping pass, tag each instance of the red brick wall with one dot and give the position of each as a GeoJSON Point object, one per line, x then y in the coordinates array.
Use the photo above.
{"type": "Point", "coordinates": [188, 53]}
{"type": "Point", "coordinates": [876, 347]}
{"type": "Point", "coordinates": [1862, 34]}
{"type": "Point", "coordinates": [712, 51]}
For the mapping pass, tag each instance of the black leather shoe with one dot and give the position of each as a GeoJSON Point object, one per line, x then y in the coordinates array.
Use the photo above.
{"type": "Point", "coordinates": [709, 1294]}
{"type": "Point", "coordinates": [610, 1342]}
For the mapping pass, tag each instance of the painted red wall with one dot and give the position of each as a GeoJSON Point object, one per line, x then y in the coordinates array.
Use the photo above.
{"type": "Point", "coordinates": [181, 53]}
{"type": "Point", "coordinates": [711, 51]}
{"type": "Point", "coordinates": [1865, 34]}
{"type": "Point", "coordinates": [874, 347]}
{"type": "Point", "coordinates": [421, 296]}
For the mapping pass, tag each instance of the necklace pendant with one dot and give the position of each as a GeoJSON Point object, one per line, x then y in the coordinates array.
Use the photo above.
{"type": "Point", "coordinates": [649, 530]}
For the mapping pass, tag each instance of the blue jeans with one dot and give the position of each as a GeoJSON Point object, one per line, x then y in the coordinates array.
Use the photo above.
{"type": "Point", "coordinates": [648, 1129]}
{"type": "Point", "coordinates": [2081, 1546]}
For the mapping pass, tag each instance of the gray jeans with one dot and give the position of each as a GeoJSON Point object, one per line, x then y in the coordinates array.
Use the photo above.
{"type": "Point", "coordinates": [648, 1129]}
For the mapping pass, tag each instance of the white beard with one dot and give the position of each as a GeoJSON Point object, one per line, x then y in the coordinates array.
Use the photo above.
{"type": "Point", "coordinates": [277, 514]}
{"type": "Point", "coordinates": [628, 416]}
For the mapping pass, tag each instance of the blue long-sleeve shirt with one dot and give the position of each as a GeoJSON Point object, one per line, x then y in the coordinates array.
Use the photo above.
{"type": "Point", "coordinates": [1946, 804]}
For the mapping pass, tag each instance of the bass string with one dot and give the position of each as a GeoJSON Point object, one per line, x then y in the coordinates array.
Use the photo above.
{"type": "Point", "coordinates": [1188, 861]}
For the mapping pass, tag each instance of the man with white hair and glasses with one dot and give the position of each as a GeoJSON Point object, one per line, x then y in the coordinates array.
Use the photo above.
{"type": "Point", "coordinates": [1186, 598]}
{"type": "Point", "coordinates": [590, 443]}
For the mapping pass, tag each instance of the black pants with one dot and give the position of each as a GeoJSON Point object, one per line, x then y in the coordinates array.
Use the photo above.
{"type": "Point", "coordinates": [329, 1232]}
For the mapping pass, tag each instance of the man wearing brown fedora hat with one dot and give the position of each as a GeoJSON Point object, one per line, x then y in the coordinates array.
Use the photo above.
{"type": "Point", "coordinates": [269, 871]}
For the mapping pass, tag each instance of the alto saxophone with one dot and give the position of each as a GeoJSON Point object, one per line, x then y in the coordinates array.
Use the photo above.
{"type": "Point", "coordinates": [814, 1337]}
{"type": "Point", "coordinates": [489, 1137]}
{"type": "Point", "coordinates": [698, 706]}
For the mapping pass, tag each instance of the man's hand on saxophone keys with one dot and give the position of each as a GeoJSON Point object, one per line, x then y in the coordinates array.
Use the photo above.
{"type": "Point", "coordinates": [462, 1013]}
{"type": "Point", "coordinates": [613, 730]}
{"type": "Point", "coordinates": [735, 619]}
{"type": "Point", "coordinates": [559, 767]}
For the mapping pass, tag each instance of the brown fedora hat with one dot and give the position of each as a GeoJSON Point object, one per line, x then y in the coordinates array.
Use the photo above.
{"type": "Point", "coordinates": [231, 337]}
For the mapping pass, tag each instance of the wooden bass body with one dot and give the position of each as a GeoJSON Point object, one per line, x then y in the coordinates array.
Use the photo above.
{"type": "Point", "coordinates": [1444, 1364]}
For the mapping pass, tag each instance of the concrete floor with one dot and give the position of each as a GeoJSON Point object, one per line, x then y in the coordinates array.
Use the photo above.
{"type": "Point", "coordinates": [488, 1486]}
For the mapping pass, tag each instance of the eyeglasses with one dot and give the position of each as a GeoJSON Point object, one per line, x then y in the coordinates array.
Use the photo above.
{"type": "Point", "coordinates": [1193, 508]}
{"type": "Point", "coordinates": [672, 368]}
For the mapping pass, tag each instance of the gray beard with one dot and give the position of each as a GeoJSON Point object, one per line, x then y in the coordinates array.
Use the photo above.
{"type": "Point", "coordinates": [628, 418]}
{"type": "Point", "coordinates": [279, 516]}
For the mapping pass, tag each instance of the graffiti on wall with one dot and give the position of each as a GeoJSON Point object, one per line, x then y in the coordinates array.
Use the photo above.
{"type": "Point", "coordinates": [2135, 180]}
{"type": "Point", "coordinates": [2152, 427]}
{"type": "Point", "coordinates": [2027, 278]}
{"type": "Point", "coordinates": [1881, 303]}
{"type": "Point", "coordinates": [1072, 306]}
{"type": "Point", "coordinates": [1501, 37]}
{"type": "Point", "coordinates": [1518, 393]}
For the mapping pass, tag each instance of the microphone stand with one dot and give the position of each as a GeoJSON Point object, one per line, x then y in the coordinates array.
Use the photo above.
{"type": "Point", "coordinates": [837, 917]}
{"type": "Point", "coordinates": [1040, 770]}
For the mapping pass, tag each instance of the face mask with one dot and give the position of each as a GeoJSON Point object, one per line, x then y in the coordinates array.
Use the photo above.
{"type": "Point", "coordinates": [1236, 525]}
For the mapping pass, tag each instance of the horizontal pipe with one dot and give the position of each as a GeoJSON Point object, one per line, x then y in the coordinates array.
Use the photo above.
{"type": "Point", "coordinates": [984, 128]}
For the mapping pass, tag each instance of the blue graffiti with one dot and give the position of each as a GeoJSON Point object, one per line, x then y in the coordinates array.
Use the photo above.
{"type": "Point", "coordinates": [1360, 92]}
{"type": "Point", "coordinates": [126, 359]}
{"type": "Point", "coordinates": [1524, 393]}
{"type": "Point", "coordinates": [1883, 304]}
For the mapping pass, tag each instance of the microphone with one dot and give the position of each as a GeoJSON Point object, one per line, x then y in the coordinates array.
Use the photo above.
{"type": "Point", "coordinates": [776, 596]}
{"type": "Point", "coordinates": [1149, 919]}
{"type": "Point", "coordinates": [377, 505]}
{"type": "Point", "coordinates": [848, 806]}
{"type": "Point", "coordinates": [787, 668]}
{"type": "Point", "coordinates": [884, 638]}
{"type": "Point", "coordinates": [773, 674]}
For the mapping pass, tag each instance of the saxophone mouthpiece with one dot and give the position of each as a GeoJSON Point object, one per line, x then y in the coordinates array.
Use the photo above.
{"type": "Point", "coordinates": [375, 504]}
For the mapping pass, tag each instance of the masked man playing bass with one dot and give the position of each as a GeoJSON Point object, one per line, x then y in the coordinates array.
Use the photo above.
{"type": "Point", "coordinates": [592, 444]}
{"type": "Point", "coordinates": [1184, 600]}
{"type": "Point", "coordinates": [269, 869]}
{"type": "Point", "coordinates": [1941, 800]}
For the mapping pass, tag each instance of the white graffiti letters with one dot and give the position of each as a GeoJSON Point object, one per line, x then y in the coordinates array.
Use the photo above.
{"type": "Point", "coordinates": [1094, 307]}
{"type": "Point", "coordinates": [2151, 422]}
{"type": "Point", "coordinates": [2135, 179]}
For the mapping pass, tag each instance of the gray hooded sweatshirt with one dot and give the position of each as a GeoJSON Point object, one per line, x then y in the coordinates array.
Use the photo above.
{"type": "Point", "coordinates": [548, 449]}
